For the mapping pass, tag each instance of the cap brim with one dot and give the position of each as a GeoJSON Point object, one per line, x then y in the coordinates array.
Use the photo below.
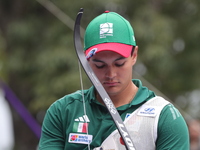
{"type": "Point", "coordinates": [122, 49]}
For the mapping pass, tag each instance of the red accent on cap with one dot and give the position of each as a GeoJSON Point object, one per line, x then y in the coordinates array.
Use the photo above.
{"type": "Point", "coordinates": [107, 11]}
{"type": "Point", "coordinates": [122, 49]}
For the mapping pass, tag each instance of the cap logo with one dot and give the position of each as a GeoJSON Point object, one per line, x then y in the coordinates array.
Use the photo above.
{"type": "Point", "coordinates": [106, 29]}
{"type": "Point", "coordinates": [91, 53]}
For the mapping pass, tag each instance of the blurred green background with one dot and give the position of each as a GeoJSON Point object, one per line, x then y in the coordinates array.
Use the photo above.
{"type": "Point", "coordinates": [39, 63]}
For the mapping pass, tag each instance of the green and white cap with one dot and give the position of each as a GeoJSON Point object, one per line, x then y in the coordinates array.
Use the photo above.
{"type": "Point", "coordinates": [109, 32]}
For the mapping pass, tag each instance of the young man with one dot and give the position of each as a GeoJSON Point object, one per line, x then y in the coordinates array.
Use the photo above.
{"type": "Point", "coordinates": [152, 122]}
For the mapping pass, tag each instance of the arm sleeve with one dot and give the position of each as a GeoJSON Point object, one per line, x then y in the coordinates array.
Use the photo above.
{"type": "Point", "coordinates": [172, 130]}
{"type": "Point", "coordinates": [52, 135]}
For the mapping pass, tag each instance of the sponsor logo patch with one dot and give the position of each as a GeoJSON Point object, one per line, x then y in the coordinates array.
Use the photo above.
{"type": "Point", "coordinates": [146, 110]}
{"type": "Point", "coordinates": [80, 138]}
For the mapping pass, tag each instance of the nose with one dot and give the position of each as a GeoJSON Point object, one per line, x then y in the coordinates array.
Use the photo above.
{"type": "Point", "coordinates": [111, 73]}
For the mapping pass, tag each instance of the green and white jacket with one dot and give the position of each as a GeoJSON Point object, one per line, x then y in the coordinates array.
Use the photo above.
{"type": "Point", "coordinates": [152, 122]}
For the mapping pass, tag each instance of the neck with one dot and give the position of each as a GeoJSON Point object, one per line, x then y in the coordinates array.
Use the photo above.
{"type": "Point", "coordinates": [122, 98]}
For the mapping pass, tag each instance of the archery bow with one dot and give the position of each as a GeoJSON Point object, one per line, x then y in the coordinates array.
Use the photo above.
{"type": "Point", "coordinates": [106, 99]}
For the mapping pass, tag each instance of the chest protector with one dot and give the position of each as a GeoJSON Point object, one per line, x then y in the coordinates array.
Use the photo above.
{"type": "Point", "coordinates": [142, 126]}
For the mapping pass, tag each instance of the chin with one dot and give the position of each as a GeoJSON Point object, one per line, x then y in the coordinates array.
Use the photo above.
{"type": "Point", "coordinates": [112, 92]}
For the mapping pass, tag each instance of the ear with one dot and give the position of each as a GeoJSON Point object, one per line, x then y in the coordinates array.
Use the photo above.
{"type": "Point", "coordinates": [134, 55]}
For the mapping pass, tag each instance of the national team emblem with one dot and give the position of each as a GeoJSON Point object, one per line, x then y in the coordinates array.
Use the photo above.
{"type": "Point", "coordinates": [80, 127]}
{"type": "Point", "coordinates": [106, 29]}
{"type": "Point", "coordinates": [81, 124]}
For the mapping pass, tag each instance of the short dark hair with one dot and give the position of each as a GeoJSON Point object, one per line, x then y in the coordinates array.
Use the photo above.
{"type": "Point", "coordinates": [132, 50]}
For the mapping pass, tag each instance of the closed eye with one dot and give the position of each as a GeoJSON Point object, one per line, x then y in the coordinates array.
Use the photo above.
{"type": "Point", "coordinates": [120, 65]}
{"type": "Point", "coordinates": [98, 63]}
{"type": "Point", "coordinates": [99, 66]}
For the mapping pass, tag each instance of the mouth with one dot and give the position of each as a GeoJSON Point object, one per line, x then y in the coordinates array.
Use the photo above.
{"type": "Point", "coordinates": [110, 83]}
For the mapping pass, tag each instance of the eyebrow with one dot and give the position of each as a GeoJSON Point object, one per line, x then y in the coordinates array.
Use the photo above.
{"type": "Point", "coordinates": [120, 58]}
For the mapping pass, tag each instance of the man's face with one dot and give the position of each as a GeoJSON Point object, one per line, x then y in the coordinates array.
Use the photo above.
{"type": "Point", "coordinates": [113, 70]}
